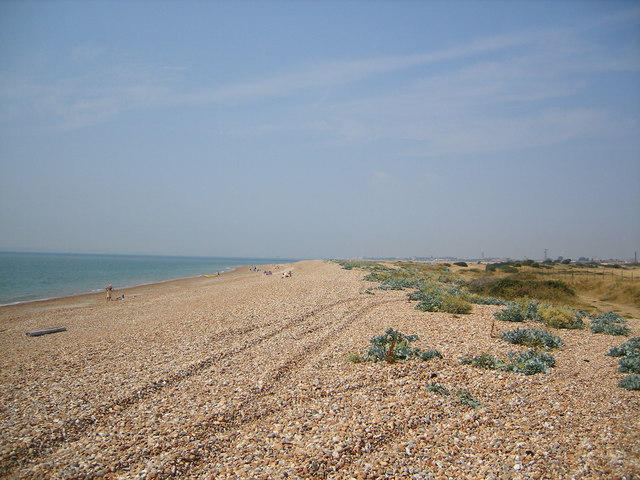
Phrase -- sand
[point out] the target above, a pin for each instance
(244, 376)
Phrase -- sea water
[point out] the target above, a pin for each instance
(26, 277)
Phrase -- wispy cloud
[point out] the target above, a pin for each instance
(462, 110)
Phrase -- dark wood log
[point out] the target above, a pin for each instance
(37, 333)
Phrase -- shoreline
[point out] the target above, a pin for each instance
(102, 291)
(96, 298)
(65, 275)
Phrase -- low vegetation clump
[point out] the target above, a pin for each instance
(532, 311)
(527, 363)
(513, 313)
(434, 292)
(630, 382)
(523, 310)
(521, 286)
(437, 388)
(609, 323)
(354, 357)
(531, 362)
(455, 304)
(464, 397)
(351, 264)
(561, 317)
(505, 267)
(395, 346)
(438, 299)
(428, 302)
(629, 353)
(629, 364)
(428, 354)
(480, 300)
(395, 279)
(485, 361)
(609, 317)
(532, 337)
(630, 348)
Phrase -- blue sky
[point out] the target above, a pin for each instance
(321, 129)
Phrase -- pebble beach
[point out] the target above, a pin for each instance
(245, 376)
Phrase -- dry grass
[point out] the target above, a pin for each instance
(619, 286)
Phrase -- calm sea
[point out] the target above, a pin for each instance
(27, 277)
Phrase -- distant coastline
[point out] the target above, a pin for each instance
(38, 276)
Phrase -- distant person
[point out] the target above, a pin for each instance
(109, 290)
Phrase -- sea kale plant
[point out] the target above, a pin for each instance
(630, 348)
(629, 354)
(630, 382)
(513, 313)
(527, 363)
(530, 362)
(395, 346)
(609, 323)
(532, 337)
(629, 364)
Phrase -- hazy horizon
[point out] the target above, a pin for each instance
(321, 129)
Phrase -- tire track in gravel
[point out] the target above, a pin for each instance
(71, 430)
(242, 416)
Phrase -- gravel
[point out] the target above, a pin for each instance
(244, 376)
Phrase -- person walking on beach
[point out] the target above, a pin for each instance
(109, 289)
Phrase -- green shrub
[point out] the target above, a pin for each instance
(628, 349)
(461, 264)
(531, 362)
(629, 364)
(454, 304)
(532, 337)
(521, 286)
(630, 382)
(513, 313)
(560, 317)
(395, 279)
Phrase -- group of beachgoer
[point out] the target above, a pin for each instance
(109, 291)
(269, 272)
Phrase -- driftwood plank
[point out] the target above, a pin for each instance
(37, 333)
